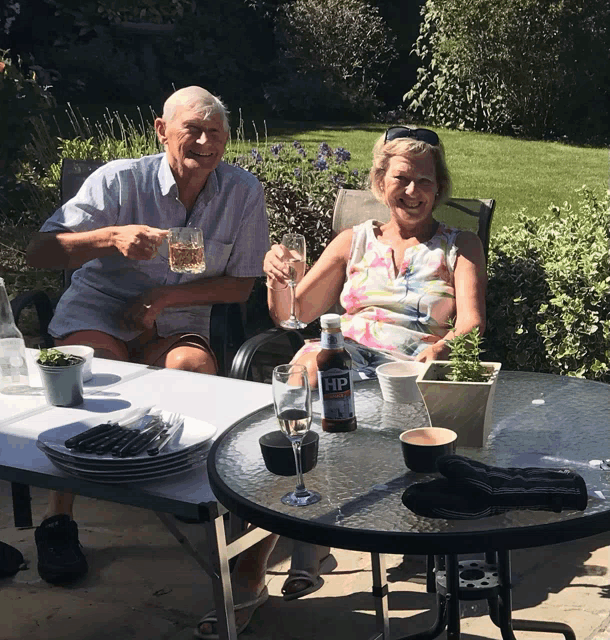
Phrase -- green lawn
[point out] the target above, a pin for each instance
(518, 174)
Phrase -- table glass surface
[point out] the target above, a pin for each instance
(538, 420)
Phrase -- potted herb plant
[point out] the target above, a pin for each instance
(458, 393)
(62, 377)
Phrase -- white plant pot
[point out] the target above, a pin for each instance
(464, 407)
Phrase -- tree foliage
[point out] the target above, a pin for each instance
(333, 54)
(526, 67)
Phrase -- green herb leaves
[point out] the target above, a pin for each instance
(464, 358)
(55, 358)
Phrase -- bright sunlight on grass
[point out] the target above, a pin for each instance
(518, 174)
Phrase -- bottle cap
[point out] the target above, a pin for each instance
(330, 321)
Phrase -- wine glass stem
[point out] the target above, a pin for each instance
(296, 448)
(292, 284)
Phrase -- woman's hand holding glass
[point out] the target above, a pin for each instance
(285, 266)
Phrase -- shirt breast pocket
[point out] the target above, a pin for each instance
(217, 256)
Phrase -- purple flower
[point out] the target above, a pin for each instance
(320, 164)
(338, 180)
(296, 144)
(342, 155)
(275, 149)
(325, 150)
(355, 173)
(256, 156)
(302, 152)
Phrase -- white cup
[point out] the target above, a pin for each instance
(83, 352)
(398, 381)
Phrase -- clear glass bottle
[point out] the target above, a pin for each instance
(13, 365)
(335, 378)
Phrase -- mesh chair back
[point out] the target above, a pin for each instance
(73, 174)
(355, 206)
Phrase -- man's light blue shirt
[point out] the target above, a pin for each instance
(230, 210)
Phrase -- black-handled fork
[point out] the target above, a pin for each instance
(174, 423)
(144, 438)
(121, 447)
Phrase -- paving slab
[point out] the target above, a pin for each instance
(142, 586)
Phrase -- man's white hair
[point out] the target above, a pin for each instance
(201, 100)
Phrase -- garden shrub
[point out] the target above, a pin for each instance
(300, 189)
(548, 297)
(24, 100)
(333, 54)
(536, 68)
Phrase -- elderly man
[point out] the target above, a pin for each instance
(123, 300)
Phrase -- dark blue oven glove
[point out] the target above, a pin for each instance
(471, 489)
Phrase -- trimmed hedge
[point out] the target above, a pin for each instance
(548, 297)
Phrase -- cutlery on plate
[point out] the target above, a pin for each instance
(139, 443)
(131, 416)
(74, 441)
(89, 445)
(174, 423)
(116, 443)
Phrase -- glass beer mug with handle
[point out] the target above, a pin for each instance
(292, 401)
(185, 247)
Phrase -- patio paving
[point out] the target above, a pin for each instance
(142, 586)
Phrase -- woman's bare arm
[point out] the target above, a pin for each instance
(470, 278)
(318, 289)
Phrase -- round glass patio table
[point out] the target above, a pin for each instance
(539, 420)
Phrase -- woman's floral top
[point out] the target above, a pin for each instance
(404, 311)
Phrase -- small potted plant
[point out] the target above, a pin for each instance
(458, 393)
(62, 377)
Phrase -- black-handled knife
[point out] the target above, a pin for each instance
(124, 441)
(74, 441)
(111, 441)
(88, 446)
(141, 442)
(128, 418)
(164, 438)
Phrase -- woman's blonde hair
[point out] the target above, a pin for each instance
(383, 152)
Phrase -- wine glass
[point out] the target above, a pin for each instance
(292, 401)
(295, 243)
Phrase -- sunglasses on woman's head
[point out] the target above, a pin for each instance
(423, 135)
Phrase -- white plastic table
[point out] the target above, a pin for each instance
(120, 385)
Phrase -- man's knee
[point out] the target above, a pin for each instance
(191, 359)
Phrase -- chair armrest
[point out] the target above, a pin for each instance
(243, 358)
(44, 310)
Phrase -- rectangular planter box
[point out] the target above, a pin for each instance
(464, 407)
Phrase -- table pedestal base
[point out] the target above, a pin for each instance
(490, 580)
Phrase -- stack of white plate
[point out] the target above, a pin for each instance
(187, 450)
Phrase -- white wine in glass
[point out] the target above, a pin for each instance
(292, 401)
(295, 243)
